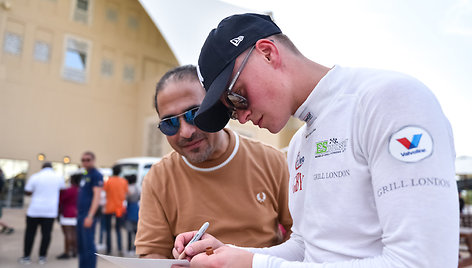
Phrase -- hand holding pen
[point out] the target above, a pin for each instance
(197, 237)
(182, 246)
(210, 252)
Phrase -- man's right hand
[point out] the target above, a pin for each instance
(88, 221)
(196, 247)
(223, 257)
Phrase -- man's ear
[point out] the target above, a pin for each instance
(269, 50)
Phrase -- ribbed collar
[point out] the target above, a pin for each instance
(221, 161)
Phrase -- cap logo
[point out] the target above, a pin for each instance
(237, 40)
(200, 77)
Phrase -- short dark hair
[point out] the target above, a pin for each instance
(47, 165)
(180, 73)
(91, 154)
(131, 178)
(116, 170)
(75, 179)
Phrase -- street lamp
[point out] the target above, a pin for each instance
(65, 160)
(41, 157)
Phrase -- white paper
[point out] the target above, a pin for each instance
(143, 263)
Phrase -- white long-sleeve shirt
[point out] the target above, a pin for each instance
(372, 180)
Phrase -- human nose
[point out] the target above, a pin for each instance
(243, 115)
(186, 130)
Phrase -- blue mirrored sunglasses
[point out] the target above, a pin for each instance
(171, 125)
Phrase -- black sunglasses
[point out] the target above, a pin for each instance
(170, 126)
(236, 101)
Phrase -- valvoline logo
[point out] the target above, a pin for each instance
(419, 147)
(410, 144)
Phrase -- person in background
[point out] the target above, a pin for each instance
(237, 184)
(68, 217)
(132, 212)
(6, 229)
(372, 175)
(44, 188)
(87, 205)
(461, 203)
(100, 216)
(116, 189)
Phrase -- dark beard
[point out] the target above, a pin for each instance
(197, 155)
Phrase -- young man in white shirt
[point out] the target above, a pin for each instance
(372, 180)
(44, 188)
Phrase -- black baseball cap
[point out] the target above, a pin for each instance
(234, 35)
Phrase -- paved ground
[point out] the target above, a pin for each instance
(11, 246)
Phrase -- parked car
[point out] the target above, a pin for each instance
(138, 166)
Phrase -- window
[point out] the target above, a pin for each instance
(42, 51)
(82, 5)
(15, 177)
(128, 169)
(107, 67)
(112, 14)
(13, 43)
(133, 22)
(75, 60)
(146, 169)
(81, 11)
(128, 73)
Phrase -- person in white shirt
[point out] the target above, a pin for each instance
(44, 188)
(372, 181)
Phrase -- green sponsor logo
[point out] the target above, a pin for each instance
(321, 147)
(331, 146)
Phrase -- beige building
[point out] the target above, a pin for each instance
(79, 75)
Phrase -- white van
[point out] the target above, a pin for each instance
(138, 166)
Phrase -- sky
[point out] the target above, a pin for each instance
(430, 40)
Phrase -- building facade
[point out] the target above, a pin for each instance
(78, 75)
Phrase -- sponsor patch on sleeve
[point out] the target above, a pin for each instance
(411, 144)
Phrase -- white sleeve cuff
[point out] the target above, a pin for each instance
(260, 260)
